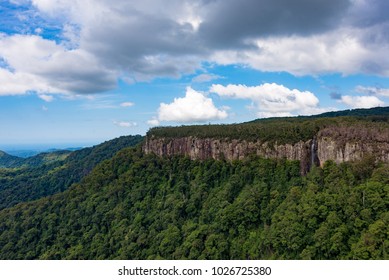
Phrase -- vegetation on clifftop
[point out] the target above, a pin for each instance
(280, 130)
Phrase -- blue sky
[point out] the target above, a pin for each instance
(85, 71)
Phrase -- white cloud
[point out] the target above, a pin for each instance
(106, 40)
(272, 100)
(38, 30)
(361, 101)
(177, 38)
(127, 104)
(194, 107)
(153, 122)
(45, 97)
(44, 66)
(125, 124)
(343, 50)
(19, 83)
(373, 90)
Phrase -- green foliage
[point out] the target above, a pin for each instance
(49, 173)
(281, 130)
(114, 202)
(8, 161)
(137, 206)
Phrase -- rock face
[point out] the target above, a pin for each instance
(342, 144)
(336, 143)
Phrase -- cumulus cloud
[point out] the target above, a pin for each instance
(44, 66)
(194, 107)
(362, 101)
(234, 23)
(153, 122)
(373, 91)
(99, 42)
(342, 50)
(272, 100)
(19, 83)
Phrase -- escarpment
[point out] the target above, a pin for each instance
(353, 143)
(228, 149)
(339, 141)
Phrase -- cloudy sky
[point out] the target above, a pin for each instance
(85, 71)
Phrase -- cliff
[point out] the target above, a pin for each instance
(352, 143)
(339, 142)
(235, 149)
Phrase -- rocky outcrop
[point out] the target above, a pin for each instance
(342, 144)
(335, 143)
(201, 149)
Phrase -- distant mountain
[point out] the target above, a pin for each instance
(7, 160)
(49, 173)
(26, 153)
(381, 112)
(377, 111)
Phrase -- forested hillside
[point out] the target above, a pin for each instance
(49, 173)
(9, 161)
(112, 201)
(137, 206)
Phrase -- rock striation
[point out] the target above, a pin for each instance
(339, 144)
(342, 144)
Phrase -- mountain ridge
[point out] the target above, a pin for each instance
(115, 201)
(10, 161)
(338, 136)
(138, 206)
(44, 177)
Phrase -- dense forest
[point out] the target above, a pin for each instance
(113, 201)
(48, 173)
(137, 206)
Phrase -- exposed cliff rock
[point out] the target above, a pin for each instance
(201, 149)
(352, 143)
(332, 143)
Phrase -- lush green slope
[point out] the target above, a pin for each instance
(282, 130)
(8, 161)
(49, 173)
(144, 207)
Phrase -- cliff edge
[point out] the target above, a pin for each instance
(312, 141)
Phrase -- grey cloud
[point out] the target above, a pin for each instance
(82, 83)
(230, 23)
(336, 95)
(141, 40)
(372, 17)
(143, 43)
(369, 12)
(147, 43)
